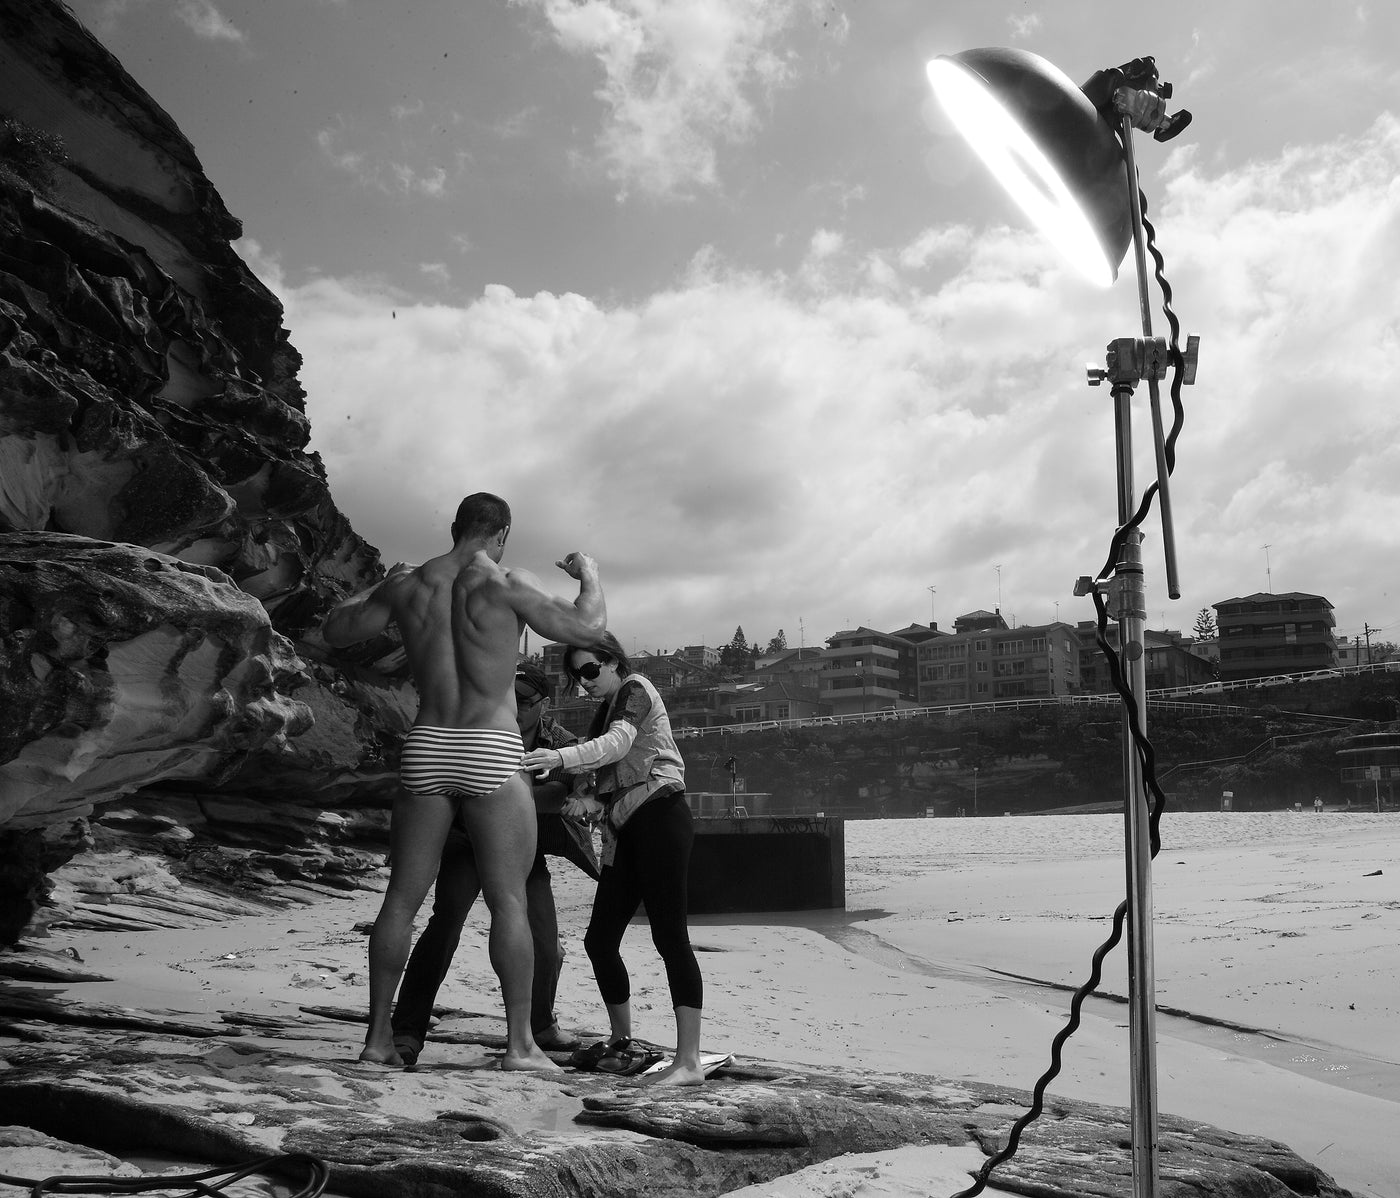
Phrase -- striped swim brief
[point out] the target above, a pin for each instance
(458, 761)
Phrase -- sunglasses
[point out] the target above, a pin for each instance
(589, 670)
(528, 699)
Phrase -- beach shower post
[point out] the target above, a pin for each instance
(1065, 155)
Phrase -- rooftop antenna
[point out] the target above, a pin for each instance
(1268, 572)
(932, 593)
(998, 570)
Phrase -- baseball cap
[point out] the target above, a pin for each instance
(533, 677)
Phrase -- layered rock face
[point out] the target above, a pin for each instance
(125, 666)
(168, 546)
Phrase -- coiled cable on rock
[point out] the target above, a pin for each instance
(200, 1185)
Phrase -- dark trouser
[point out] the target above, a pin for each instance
(457, 887)
(652, 866)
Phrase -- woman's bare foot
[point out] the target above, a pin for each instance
(535, 1060)
(675, 1074)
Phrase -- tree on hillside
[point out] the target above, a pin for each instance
(779, 643)
(1205, 624)
(735, 655)
(1380, 650)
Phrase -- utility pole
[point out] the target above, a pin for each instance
(1370, 630)
(932, 592)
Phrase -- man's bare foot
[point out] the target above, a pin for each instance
(534, 1060)
(553, 1039)
(379, 1055)
(675, 1074)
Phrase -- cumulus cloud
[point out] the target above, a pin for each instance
(380, 173)
(679, 80)
(1026, 26)
(207, 21)
(747, 447)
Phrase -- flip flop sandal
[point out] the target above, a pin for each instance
(629, 1062)
(589, 1058)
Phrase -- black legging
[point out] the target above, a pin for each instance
(652, 866)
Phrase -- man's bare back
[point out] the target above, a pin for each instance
(461, 615)
(460, 634)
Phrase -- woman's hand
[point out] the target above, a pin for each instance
(583, 807)
(542, 760)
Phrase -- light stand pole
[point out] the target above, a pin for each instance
(1128, 361)
(1132, 617)
(1054, 148)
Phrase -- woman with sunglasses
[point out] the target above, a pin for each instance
(647, 836)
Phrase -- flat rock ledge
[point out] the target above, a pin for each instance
(227, 1088)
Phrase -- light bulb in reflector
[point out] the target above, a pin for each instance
(1022, 167)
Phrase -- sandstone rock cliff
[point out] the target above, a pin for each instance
(168, 545)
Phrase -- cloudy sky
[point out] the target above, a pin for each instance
(709, 289)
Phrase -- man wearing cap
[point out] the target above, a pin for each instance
(458, 884)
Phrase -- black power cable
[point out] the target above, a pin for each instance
(199, 1184)
(1141, 744)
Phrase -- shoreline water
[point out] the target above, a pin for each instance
(1280, 922)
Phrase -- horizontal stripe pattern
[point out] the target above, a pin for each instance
(458, 761)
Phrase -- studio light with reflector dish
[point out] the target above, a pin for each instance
(1065, 156)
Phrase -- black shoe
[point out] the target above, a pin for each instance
(408, 1050)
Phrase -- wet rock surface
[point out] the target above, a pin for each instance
(231, 1087)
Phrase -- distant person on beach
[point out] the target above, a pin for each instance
(639, 784)
(458, 884)
(461, 616)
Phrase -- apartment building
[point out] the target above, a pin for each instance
(1172, 660)
(985, 661)
(868, 671)
(1264, 634)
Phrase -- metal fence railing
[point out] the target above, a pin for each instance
(1185, 699)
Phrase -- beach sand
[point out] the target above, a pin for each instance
(1292, 932)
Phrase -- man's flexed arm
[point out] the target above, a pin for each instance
(364, 615)
(578, 623)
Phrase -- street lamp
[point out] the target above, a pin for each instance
(1065, 155)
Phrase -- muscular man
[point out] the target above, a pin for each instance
(461, 616)
(458, 885)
